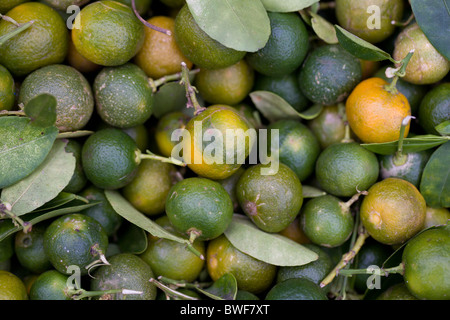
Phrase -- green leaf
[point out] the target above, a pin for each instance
(41, 110)
(274, 108)
(22, 148)
(128, 212)
(360, 48)
(312, 192)
(268, 247)
(287, 5)
(414, 144)
(170, 97)
(61, 199)
(323, 29)
(9, 228)
(435, 183)
(44, 183)
(74, 134)
(242, 25)
(443, 128)
(433, 18)
(224, 288)
(132, 239)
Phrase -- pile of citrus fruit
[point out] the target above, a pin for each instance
(224, 150)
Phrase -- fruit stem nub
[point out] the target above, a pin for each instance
(400, 158)
(190, 90)
(392, 87)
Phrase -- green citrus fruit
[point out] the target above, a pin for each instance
(427, 264)
(29, 249)
(393, 211)
(7, 89)
(74, 239)
(252, 275)
(427, 65)
(344, 168)
(110, 158)
(7, 5)
(160, 54)
(328, 74)
(125, 271)
(436, 216)
(295, 232)
(50, 285)
(78, 180)
(12, 287)
(148, 190)
(142, 6)
(271, 201)
(245, 295)
(397, 292)
(62, 5)
(165, 129)
(76, 60)
(230, 184)
(298, 146)
(108, 33)
(228, 85)
(73, 93)
(328, 126)
(103, 212)
(435, 108)
(296, 289)
(172, 259)
(123, 96)
(286, 47)
(199, 207)
(198, 47)
(285, 86)
(368, 19)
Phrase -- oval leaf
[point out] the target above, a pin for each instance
(435, 183)
(22, 148)
(170, 97)
(414, 144)
(312, 192)
(44, 183)
(132, 239)
(323, 29)
(224, 288)
(360, 48)
(443, 128)
(61, 199)
(242, 25)
(433, 18)
(74, 134)
(274, 108)
(287, 5)
(41, 110)
(131, 214)
(268, 247)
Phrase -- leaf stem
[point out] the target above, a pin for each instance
(392, 87)
(399, 157)
(171, 292)
(151, 26)
(152, 156)
(5, 210)
(19, 29)
(12, 113)
(171, 77)
(400, 269)
(190, 90)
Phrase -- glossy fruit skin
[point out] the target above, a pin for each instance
(50, 285)
(427, 65)
(173, 259)
(228, 85)
(29, 249)
(286, 86)
(102, 212)
(148, 190)
(251, 274)
(78, 180)
(315, 271)
(393, 211)
(46, 42)
(194, 43)
(427, 264)
(409, 170)
(298, 146)
(344, 168)
(216, 119)
(435, 108)
(11, 287)
(354, 16)
(286, 47)
(7, 89)
(165, 128)
(329, 74)
(328, 126)
(110, 158)
(73, 93)
(74, 239)
(374, 114)
(296, 289)
(326, 222)
(160, 55)
(126, 271)
(108, 37)
(116, 108)
(271, 201)
(201, 205)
